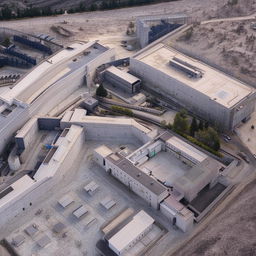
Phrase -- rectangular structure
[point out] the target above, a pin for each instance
(65, 201)
(80, 211)
(209, 93)
(122, 79)
(131, 233)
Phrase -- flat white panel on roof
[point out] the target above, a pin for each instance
(110, 204)
(91, 187)
(43, 241)
(131, 231)
(186, 148)
(66, 201)
(107, 203)
(78, 213)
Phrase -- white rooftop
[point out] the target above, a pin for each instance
(46, 73)
(219, 87)
(131, 231)
(187, 149)
(19, 187)
(65, 201)
(124, 75)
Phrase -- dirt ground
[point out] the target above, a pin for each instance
(111, 25)
(230, 44)
(232, 233)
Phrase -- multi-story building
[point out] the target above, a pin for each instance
(208, 93)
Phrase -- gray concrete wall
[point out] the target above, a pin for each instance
(186, 96)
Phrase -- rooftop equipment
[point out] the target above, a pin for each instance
(185, 67)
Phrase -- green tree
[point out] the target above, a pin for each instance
(201, 125)
(193, 127)
(6, 13)
(180, 123)
(101, 91)
(209, 137)
(6, 42)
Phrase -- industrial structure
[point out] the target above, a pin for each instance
(51, 81)
(205, 91)
(150, 28)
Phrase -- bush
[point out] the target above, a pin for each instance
(123, 111)
(209, 137)
(188, 34)
(201, 145)
(198, 143)
(101, 91)
(180, 123)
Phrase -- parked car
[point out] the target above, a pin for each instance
(225, 136)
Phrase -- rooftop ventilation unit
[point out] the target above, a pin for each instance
(185, 67)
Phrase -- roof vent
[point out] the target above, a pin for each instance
(186, 68)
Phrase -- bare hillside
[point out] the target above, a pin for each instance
(229, 44)
(232, 233)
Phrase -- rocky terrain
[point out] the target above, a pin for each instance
(232, 233)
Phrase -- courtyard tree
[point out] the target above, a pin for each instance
(101, 91)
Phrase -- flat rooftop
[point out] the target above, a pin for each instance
(53, 69)
(219, 87)
(123, 75)
(187, 148)
(131, 231)
(147, 181)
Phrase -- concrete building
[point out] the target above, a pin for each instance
(19, 194)
(122, 80)
(132, 232)
(50, 83)
(177, 213)
(137, 181)
(150, 28)
(164, 167)
(205, 91)
(177, 164)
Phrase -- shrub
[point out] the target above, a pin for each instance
(121, 110)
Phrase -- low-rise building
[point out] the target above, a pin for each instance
(131, 233)
(122, 80)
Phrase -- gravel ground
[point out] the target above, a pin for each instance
(231, 233)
